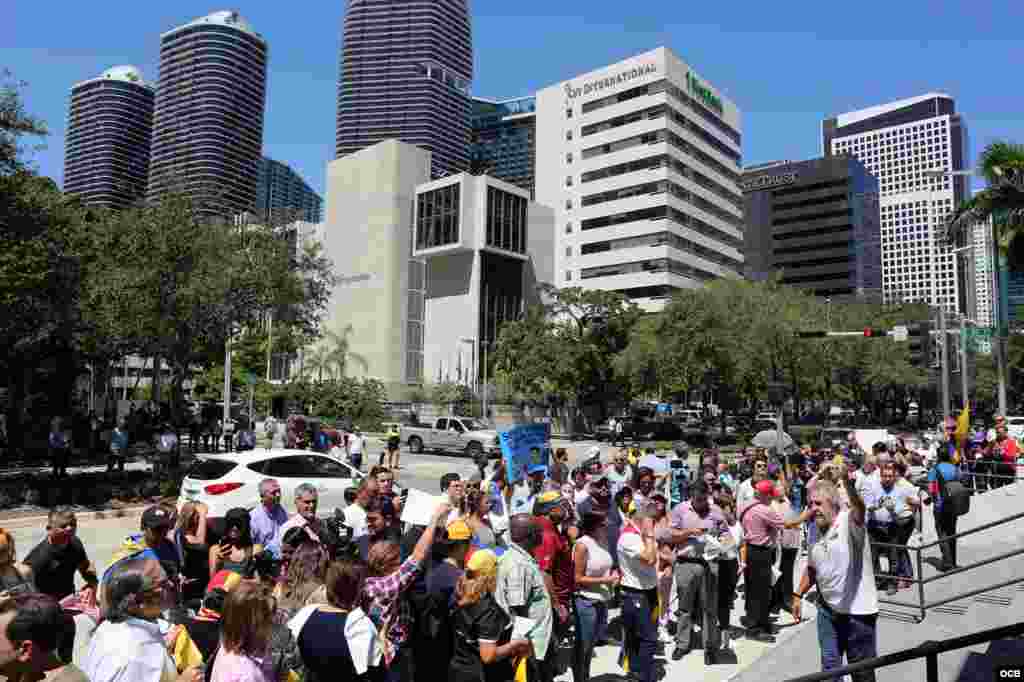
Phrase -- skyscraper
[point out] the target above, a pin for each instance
(282, 192)
(208, 124)
(406, 67)
(901, 143)
(641, 162)
(110, 127)
(504, 139)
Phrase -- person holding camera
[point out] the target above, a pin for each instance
(236, 550)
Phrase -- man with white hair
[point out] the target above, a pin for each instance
(841, 566)
(620, 474)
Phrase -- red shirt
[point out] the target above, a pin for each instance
(1009, 449)
(554, 557)
(761, 525)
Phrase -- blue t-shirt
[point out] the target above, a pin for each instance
(949, 473)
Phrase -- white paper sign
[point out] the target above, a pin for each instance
(419, 508)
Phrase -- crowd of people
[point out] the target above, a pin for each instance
(507, 581)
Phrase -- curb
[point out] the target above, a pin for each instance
(20, 521)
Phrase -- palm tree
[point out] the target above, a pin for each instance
(318, 361)
(1002, 166)
(332, 354)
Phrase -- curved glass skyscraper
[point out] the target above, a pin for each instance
(208, 124)
(406, 67)
(110, 124)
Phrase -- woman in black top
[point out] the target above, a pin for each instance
(190, 537)
(483, 651)
(236, 549)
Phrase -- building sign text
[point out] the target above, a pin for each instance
(768, 181)
(703, 93)
(611, 81)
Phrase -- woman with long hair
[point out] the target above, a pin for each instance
(478, 518)
(246, 626)
(15, 577)
(594, 578)
(666, 556)
(484, 650)
(789, 548)
(190, 538)
(236, 550)
(304, 580)
(728, 563)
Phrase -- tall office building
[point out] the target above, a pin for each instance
(984, 275)
(406, 67)
(282, 193)
(814, 223)
(110, 127)
(504, 139)
(208, 124)
(900, 143)
(641, 161)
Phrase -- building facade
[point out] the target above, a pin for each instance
(406, 69)
(815, 223)
(641, 162)
(902, 144)
(504, 140)
(110, 129)
(486, 247)
(208, 123)
(281, 192)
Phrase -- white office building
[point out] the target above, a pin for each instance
(641, 162)
(984, 274)
(901, 143)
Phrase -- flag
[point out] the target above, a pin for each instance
(963, 426)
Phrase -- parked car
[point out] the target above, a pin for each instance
(453, 434)
(833, 436)
(228, 480)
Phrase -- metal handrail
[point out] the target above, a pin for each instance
(928, 650)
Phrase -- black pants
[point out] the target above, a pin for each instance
(945, 527)
(728, 576)
(758, 588)
(782, 592)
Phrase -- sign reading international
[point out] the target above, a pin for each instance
(625, 76)
(768, 181)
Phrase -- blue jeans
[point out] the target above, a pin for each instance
(856, 637)
(640, 632)
(591, 623)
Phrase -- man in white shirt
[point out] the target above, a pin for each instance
(840, 565)
(867, 476)
(620, 474)
(638, 558)
(355, 448)
(355, 513)
(891, 504)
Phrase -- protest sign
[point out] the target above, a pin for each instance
(419, 508)
(523, 447)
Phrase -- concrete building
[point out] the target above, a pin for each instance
(816, 223)
(280, 191)
(984, 275)
(406, 69)
(900, 143)
(486, 247)
(504, 139)
(641, 162)
(110, 128)
(430, 269)
(208, 123)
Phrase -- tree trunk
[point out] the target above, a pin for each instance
(158, 376)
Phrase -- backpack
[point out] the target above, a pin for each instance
(954, 493)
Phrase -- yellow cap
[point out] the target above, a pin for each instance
(483, 562)
(459, 531)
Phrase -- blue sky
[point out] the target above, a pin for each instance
(786, 64)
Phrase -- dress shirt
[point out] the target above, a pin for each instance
(130, 651)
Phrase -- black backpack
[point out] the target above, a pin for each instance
(954, 493)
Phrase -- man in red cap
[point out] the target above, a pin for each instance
(761, 526)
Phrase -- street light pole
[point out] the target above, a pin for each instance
(944, 364)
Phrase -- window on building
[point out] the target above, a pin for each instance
(437, 217)
(568, 157)
(568, 275)
(568, 112)
(568, 181)
(568, 252)
(568, 134)
(568, 228)
(568, 204)
(506, 220)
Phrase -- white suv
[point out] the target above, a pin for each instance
(228, 480)
(1015, 427)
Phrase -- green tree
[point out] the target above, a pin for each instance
(1002, 166)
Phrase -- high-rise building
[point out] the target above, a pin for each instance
(406, 69)
(504, 135)
(208, 124)
(984, 275)
(814, 223)
(282, 193)
(901, 143)
(110, 127)
(641, 162)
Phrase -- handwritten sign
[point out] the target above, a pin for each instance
(419, 508)
(524, 447)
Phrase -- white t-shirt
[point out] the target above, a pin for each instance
(636, 574)
(355, 445)
(866, 483)
(355, 518)
(744, 495)
(842, 563)
(900, 493)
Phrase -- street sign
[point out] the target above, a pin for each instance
(899, 333)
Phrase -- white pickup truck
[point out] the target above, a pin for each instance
(452, 434)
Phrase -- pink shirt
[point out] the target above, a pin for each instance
(233, 667)
(761, 525)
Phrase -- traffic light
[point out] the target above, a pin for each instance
(920, 337)
(874, 333)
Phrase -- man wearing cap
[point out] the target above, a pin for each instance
(553, 554)
(696, 579)
(440, 580)
(761, 527)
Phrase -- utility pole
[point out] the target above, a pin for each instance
(227, 383)
(963, 359)
(944, 362)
